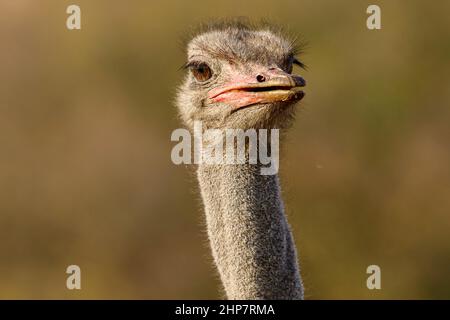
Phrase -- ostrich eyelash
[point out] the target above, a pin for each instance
(190, 64)
(299, 63)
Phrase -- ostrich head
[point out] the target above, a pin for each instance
(240, 77)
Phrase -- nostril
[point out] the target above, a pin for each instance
(302, 82)
(260, 78)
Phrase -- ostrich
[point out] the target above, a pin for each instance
(240, 76)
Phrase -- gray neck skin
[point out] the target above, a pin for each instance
(250, 238)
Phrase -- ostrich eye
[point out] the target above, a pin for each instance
(201, 71)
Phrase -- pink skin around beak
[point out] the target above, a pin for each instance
(273, 85)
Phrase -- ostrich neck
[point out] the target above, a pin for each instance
(250, 237)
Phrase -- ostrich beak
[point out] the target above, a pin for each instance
(272, 86)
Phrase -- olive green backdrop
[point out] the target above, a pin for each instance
(85, 170)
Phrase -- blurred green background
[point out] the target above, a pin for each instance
(85, 170)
